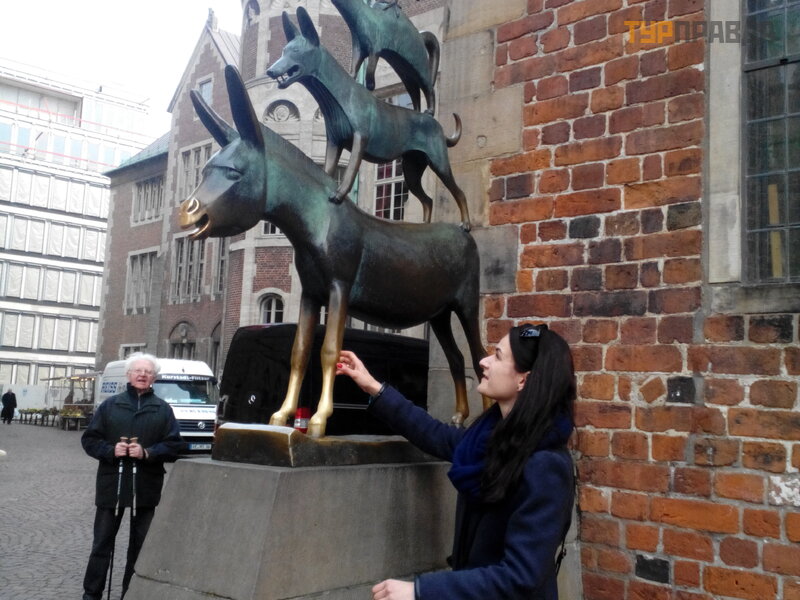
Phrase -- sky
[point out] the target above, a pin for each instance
(141, 46)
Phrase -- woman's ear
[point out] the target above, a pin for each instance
(521, 379)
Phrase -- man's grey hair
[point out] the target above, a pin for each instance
(137, 356)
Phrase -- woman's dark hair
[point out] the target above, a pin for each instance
(549, 392)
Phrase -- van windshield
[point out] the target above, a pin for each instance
(187, 392)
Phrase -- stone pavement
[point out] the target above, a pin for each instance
(46, 515)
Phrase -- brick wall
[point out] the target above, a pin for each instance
(689, 429)
(273, 269)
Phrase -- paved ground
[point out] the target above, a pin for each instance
(46, 514)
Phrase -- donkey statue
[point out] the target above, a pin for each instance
(384, 31)
(370, 128)
(387, 273)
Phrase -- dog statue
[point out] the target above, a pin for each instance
(384, 272)
(370, 128)
(384, 31)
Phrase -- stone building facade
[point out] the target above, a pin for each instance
(629, 170)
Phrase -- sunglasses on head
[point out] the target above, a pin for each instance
(532, 332)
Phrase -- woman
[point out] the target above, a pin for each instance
(511, 468)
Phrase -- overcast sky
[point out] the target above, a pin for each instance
(142, 46)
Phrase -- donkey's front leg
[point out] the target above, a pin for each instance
(301, 350)
(331, 348)
(349, 176)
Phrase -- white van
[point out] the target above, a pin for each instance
(188, 386)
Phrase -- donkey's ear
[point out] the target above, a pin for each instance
(289, 30)
(243, 114)
(223, 133)
(307, 26)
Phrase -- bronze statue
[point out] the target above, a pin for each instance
(384, 31)
(388, 273)
(370, 128)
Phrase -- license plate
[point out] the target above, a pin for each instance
(196, 446)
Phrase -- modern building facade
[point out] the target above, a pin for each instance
(631, 177)
(56, 139)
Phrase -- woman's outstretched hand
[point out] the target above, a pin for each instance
(349, 364)
(392, 589)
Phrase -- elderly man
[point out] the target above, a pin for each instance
(134, 428)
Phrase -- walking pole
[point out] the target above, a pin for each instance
(133, 480)
(116, 514)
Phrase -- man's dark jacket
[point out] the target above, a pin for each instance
(504, 550)
(129, 415)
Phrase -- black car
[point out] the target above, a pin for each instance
(256, 376)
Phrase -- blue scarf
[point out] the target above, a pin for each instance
(469, 457)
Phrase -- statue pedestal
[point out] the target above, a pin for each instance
(241, 531)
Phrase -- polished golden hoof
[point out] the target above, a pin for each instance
(278, 419)
(457, 419)
(316, 429)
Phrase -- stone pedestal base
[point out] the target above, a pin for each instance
(244, 532)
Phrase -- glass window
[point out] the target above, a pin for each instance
(272, 309)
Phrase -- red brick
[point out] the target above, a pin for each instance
(792, 360)
(569, 329)
(688, 544)
(528, 233)
(605, 251)
(672, 137)
(555, 39)
(638, 331)
(735, 360)
(530, 139)
(557, 133)
(587, 176)
(764, 456)
(771, 329)
(737, 552)
(552, 230)
(773, 394)
(587, 358)
(630, 445)
(634, 507)
(653, 390)
(668, 448)
(772, 424)
(552, 87)
(577, 11)
(692, 481)
(589, 127)
(520, 48)
(686, 573)
(664, 418)
(793, 527)
(651, 167)
(493, 306)
(686, 108)
(653, 63)
(613, 560)
(521, 163)
(496, 329)
(796, 456)
(622, 224)
(695, 514)
(593, 53)
(602, 587)
(621, 277)
(549, 280)
(791, 590)
(555, 109)
(521, 211)
(623, 170)
(686, 54)
(625, 119)
(606, 99)
(593, 500)
(675, 329)
(587, 202)
(728, 392)
(588, 151)
(761, 523)
(739, 584)
(686, 242)
(609, 304)
(593, 443)
(519, 28)
(599, 331)
(722, 328)
(740, 486)
(716, 451)
(590, 30)
(782, 558)
(599, 530)
(539, 305)
(552, 255)
(501, 55)
(625, 475)
(650, 275)
(597, 386)
(621, 68)
(683, 270)
(669, 85)
(616, 21)
(646, 359)
(524, 281)
(641, 537)
(641, 590)
(675, 300)
(707, 419)
(604, 415)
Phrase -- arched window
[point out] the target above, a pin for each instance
(272, 309)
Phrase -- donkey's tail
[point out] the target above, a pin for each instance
(453, 139)
(432, 46)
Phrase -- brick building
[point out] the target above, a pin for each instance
(629, 171)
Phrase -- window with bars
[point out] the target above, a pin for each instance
(138, 284)
(221, 271)
(148, 200)
(192, 163)
(184, 350)
(771, 83)
(188, 269)
(391, 193)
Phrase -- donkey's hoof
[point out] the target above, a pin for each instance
(316, 430)
(335, 198)
(278, 419)
(466, 225)
(457, 419)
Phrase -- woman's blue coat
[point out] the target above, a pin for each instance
(503, 551)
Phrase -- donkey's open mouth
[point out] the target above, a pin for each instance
(191, 214)
(287, 78)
